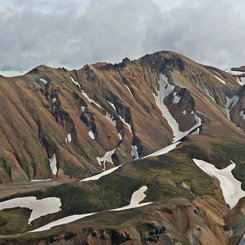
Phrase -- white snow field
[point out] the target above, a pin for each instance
(112, 105)
(134, 152)
(75, 83)
(91, 134)
(62, 221)
(39, 208)
(43, 81)
(129, 90)
(176, 98)
(40, 180)
(220, 79)
(90, 100)
(137, 197)
(127, 124)
(84, 94)
(68, 138)
(230, 103)
(235, 73)
(106, 158)
(241, 80)
(163, 150)
(110, 119)
(230, 186)
(104, 173)
(53, 164)
(163, 92)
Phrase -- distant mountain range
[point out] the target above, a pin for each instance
(162, 136)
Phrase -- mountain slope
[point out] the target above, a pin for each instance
(68, 125)
(81, 115)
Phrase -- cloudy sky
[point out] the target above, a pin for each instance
(75, 32)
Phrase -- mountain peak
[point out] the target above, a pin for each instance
(138, 134)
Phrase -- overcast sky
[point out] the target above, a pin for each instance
(71, 33)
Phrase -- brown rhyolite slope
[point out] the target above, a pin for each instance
(36, 116)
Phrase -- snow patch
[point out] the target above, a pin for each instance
(62, 221)
(176, 98)
(39, 208)
(229, 185)
(241, 80)
(134, 152)
(112, 105)
(68, 138)
(127, 124)
(129, 90)
(230, 104)
(90, 100)
(98, 176)
(106, 158)
(208, 92)
(40, 180)
(75, 83)
(242, 114)
(84, 94)
(54, 100)
(235, 73)
(164, 150)
(91, 134)
(110, 119)
(53, 164)
(43, 81)
(137, 197)
(184, 185)
(83, 108)
(119, 136)
(163, 92)
(184, 112)
(220, 79)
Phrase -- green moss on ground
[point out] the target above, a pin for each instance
(5, 166)
(13, 220)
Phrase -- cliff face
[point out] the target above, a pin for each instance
(68, 125)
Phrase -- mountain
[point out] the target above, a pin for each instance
(62, 126)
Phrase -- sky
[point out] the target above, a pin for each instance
(62, 33)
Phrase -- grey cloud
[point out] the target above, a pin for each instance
(73, 33)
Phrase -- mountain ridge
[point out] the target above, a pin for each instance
(99, 73)
(68, 125)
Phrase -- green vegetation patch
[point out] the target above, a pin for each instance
(14, 221)
(70, 169)
(5, 166)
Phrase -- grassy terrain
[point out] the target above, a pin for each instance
(164, 177)
(5, 166)
(14, 219)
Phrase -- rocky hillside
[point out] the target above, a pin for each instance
(64, 124)
(69, 125)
